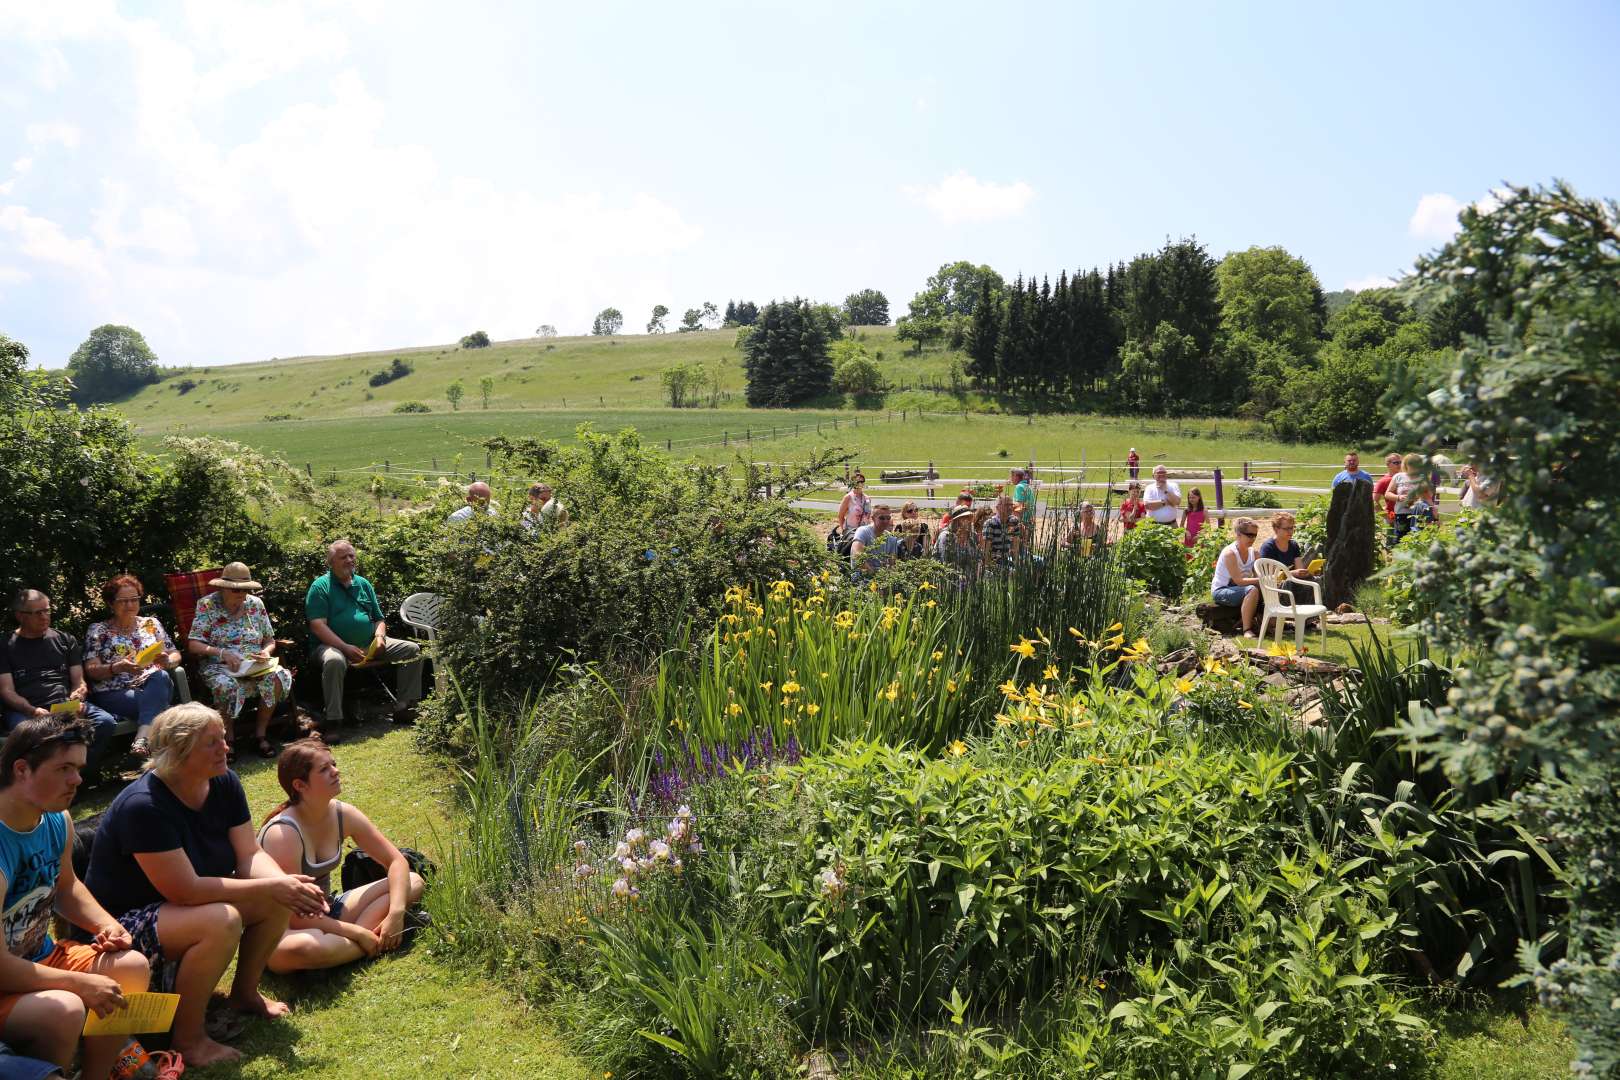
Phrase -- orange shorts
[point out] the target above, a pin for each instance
(68, 956)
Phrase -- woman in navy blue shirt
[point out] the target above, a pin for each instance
(176, 861)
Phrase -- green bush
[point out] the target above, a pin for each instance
(412, 407)
(1212, 540)
(1156, 556)
(1310, 522)
(396, 370)
(651, 544)
(1256, 498)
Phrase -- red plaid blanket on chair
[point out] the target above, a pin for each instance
(185, 590)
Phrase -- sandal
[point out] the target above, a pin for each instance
(267, 749)
(138, 748)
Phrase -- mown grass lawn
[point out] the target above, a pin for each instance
(409, 1015)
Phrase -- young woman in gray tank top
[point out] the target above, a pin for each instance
(305, 835)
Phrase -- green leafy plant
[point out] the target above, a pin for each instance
(1155, 555)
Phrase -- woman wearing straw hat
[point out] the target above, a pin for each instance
(232, 626)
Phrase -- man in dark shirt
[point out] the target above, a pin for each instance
(1003, 537)
(42, 671)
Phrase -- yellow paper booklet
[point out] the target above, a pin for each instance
(149, 654)
(1316, 566)
(142, 1014)
(70, 706)
(371, 652)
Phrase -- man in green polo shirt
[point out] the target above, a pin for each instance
(345, 622)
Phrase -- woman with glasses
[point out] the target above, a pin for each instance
(915, 537)
(1282, 547)
(128, 658)
(1235, 584)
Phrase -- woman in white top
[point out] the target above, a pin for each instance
(1477, 491)
(856, 509)
(305, 835)
(1235, 584)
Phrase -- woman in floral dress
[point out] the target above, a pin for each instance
(232, 625)
(119, 681)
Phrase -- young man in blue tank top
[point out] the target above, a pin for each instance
(47, 987)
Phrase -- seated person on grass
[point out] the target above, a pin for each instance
(47, 987)
(42, 671)
(345, 621)
(176, 860)
(305, 835)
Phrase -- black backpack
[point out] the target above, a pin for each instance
(361, 869)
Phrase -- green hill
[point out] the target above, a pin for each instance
(559, 373)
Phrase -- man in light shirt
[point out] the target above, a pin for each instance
(1163, 497)
(478, 495)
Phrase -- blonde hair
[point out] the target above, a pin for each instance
(175, 734)
(1283, 518)
(1243, 523)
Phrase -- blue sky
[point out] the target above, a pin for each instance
(241, 180)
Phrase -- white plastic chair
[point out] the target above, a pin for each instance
(420, 611)
(1280, 604)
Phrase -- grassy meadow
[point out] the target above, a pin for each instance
(320, 412)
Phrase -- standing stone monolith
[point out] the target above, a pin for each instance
(1352, 538)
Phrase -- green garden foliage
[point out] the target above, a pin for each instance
(1255, 498)
(1201, 559)
(651, 544)
(1537, 599)
(412, 407)
(1154, 555)
(785, 356)
(112, 362)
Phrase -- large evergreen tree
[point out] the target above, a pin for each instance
(785, 359)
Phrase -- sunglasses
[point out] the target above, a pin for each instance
(1250, 535)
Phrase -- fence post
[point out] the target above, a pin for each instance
(667, 446)
(487, 463)
(385, 464)
(309, 470)
(725, 438)
(435, 464)
(1245, 472)
(748, 434)
(1220, 494)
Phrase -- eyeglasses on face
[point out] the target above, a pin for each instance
(126, 599)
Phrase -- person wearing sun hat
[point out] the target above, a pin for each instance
(230, 628)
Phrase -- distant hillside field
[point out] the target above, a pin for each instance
(559, 373)
(320, 413)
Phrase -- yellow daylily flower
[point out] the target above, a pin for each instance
(1116, 626)
(1244, 705)
(1184, 686)
(1010, 689)
(1214, 666)
(957, 748)
(1024, 648)
(1051, 672)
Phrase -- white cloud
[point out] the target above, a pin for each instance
(963, 198)
(11, 275)
(60, 134)
(45, 241)
(1436, 215)
(315, 232)
(1373, 281)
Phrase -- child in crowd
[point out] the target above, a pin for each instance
(1193, 519)
(1414, 496)
(1133, 508)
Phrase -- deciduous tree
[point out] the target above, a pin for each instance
(609, 321)
(113, 361)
